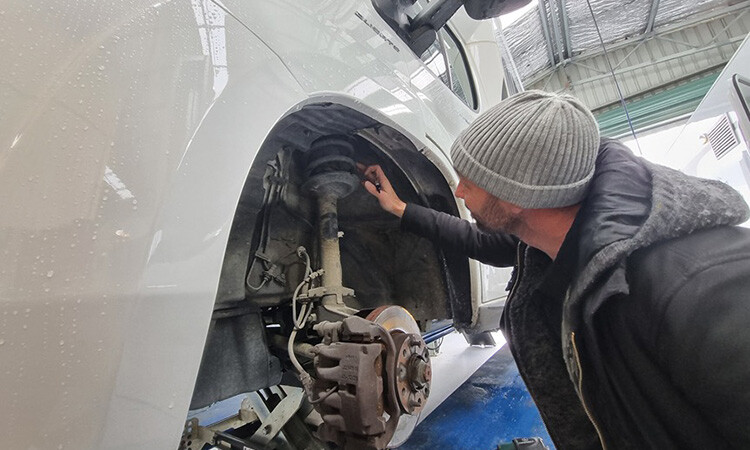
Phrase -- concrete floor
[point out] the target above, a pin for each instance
(491, 407)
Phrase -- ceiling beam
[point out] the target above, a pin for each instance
(652, 16)
(557, 39)
(568, 50)
(708, 16)
(546, 32)
(732, 41)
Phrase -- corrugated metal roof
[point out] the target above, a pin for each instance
(556, 30)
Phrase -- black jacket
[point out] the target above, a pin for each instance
(638, 335)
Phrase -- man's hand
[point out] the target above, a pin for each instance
(378, 185)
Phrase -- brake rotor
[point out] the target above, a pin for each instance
(413, 371)
(392, 317)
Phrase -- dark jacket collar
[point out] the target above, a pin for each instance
(616, 205)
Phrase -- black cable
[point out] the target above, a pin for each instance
(617, 85)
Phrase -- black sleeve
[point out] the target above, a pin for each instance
(456, 234)
(705, 342)
(699, 289)
(676, 350)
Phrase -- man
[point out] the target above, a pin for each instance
(629, 315)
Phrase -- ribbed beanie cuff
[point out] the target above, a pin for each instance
(534, 149)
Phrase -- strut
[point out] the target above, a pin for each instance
(331, 174)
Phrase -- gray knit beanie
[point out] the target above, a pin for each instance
(534, 149)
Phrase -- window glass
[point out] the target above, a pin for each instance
(459, 70)
(434, 58)
(445, 58)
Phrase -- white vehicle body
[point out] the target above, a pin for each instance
(127, 130)
(715, 141)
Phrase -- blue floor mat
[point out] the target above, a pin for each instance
(491, 407)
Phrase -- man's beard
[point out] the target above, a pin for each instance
(495, 218)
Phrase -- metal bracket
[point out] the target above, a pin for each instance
(280, 415)
(275, 272)
(337, 308)
(195, 436)
(339, 291)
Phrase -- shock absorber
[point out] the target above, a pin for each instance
(370, 374)
(331, 174)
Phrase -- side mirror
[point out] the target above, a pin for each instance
(486, 9)
(420, 31)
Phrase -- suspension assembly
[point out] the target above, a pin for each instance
(369, 372)
(331, 174)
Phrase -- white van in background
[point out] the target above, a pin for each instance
(715, 142)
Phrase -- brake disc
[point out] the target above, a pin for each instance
(392, 317)
(413, 371)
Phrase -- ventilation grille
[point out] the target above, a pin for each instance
(722, 137)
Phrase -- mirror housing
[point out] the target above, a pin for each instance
(487, 9)
(420, 31)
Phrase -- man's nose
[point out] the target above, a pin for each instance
(460, 190)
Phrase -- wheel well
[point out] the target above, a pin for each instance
(274, 217)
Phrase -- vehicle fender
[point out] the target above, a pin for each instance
(172, 311)
(128, 129)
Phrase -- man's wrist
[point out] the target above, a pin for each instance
(398, 209)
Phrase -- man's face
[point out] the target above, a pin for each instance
(491, 213)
